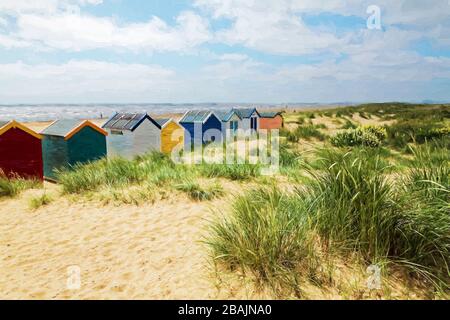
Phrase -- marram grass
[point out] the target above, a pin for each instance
(355, 205)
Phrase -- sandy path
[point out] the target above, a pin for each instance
(126, 252)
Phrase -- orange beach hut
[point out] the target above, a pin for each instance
(271, 120)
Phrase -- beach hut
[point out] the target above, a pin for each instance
(249, 118)
(271, 120)
(231, 121)
(68, 142)
(171, 135)
(132, 134)
(200, 127)
(20, 151)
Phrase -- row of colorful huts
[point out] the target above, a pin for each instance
(64, 143)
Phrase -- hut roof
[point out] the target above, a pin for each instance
(6, 125)
(127, 121)
(162, 122)
(68, 128)
(225, 115)
(196, 116)
(270, 114)
(245, 113)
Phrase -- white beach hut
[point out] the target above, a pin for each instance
(132, 134)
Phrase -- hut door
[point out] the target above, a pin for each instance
(254, 123)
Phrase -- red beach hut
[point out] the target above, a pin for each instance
(20, 151)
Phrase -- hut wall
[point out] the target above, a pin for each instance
(147, 137)
(271, 123)
(21, 154)
(86, 145)
(213, 123)
(226, 125)
(120, 144)
(188, 135)
(55, 154)
(169, 135)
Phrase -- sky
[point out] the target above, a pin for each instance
(249, 51)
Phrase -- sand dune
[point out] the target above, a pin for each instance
(126, 252)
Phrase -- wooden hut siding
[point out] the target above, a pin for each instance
(189, 138)
(196, 124)
(131, 135)
(55, 155)
(146, 138)
(169, 134)
(69, 142)
(120, 144)
(248, 117)
(21, 154)
(271, 123)
(226, 124)
(86, 144)
(213, 123)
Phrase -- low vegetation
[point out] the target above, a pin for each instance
(11, 187)
(40, 201)
(380, 195)
(199, 193)
(306, 132)
(373, 194)
(365, 136)
(350, 206)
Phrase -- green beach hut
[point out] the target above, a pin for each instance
(68, 142)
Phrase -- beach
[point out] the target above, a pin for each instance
(153, 251)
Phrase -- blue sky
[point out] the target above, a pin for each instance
(79, 51)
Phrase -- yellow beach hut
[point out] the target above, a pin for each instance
(172, 135)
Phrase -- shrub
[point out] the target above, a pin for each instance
(378, 131)
(419, 131)
(349, 125)
(369, 136)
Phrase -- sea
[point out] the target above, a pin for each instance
(46, 112)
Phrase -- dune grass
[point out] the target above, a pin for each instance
(264, 235)
(40, 201)
(306, 132)
(230, 171)
(153, 168)
(199, 193)
(11, 187)
(352, 205)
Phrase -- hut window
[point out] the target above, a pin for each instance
(233, 125)
(117, 132)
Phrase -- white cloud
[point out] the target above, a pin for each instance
(78, 80)
(225, 81)
(269, 26)
(277, 27)
(60, 24)
(75, 32)
(42, 6)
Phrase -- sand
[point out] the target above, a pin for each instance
(123, 252)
